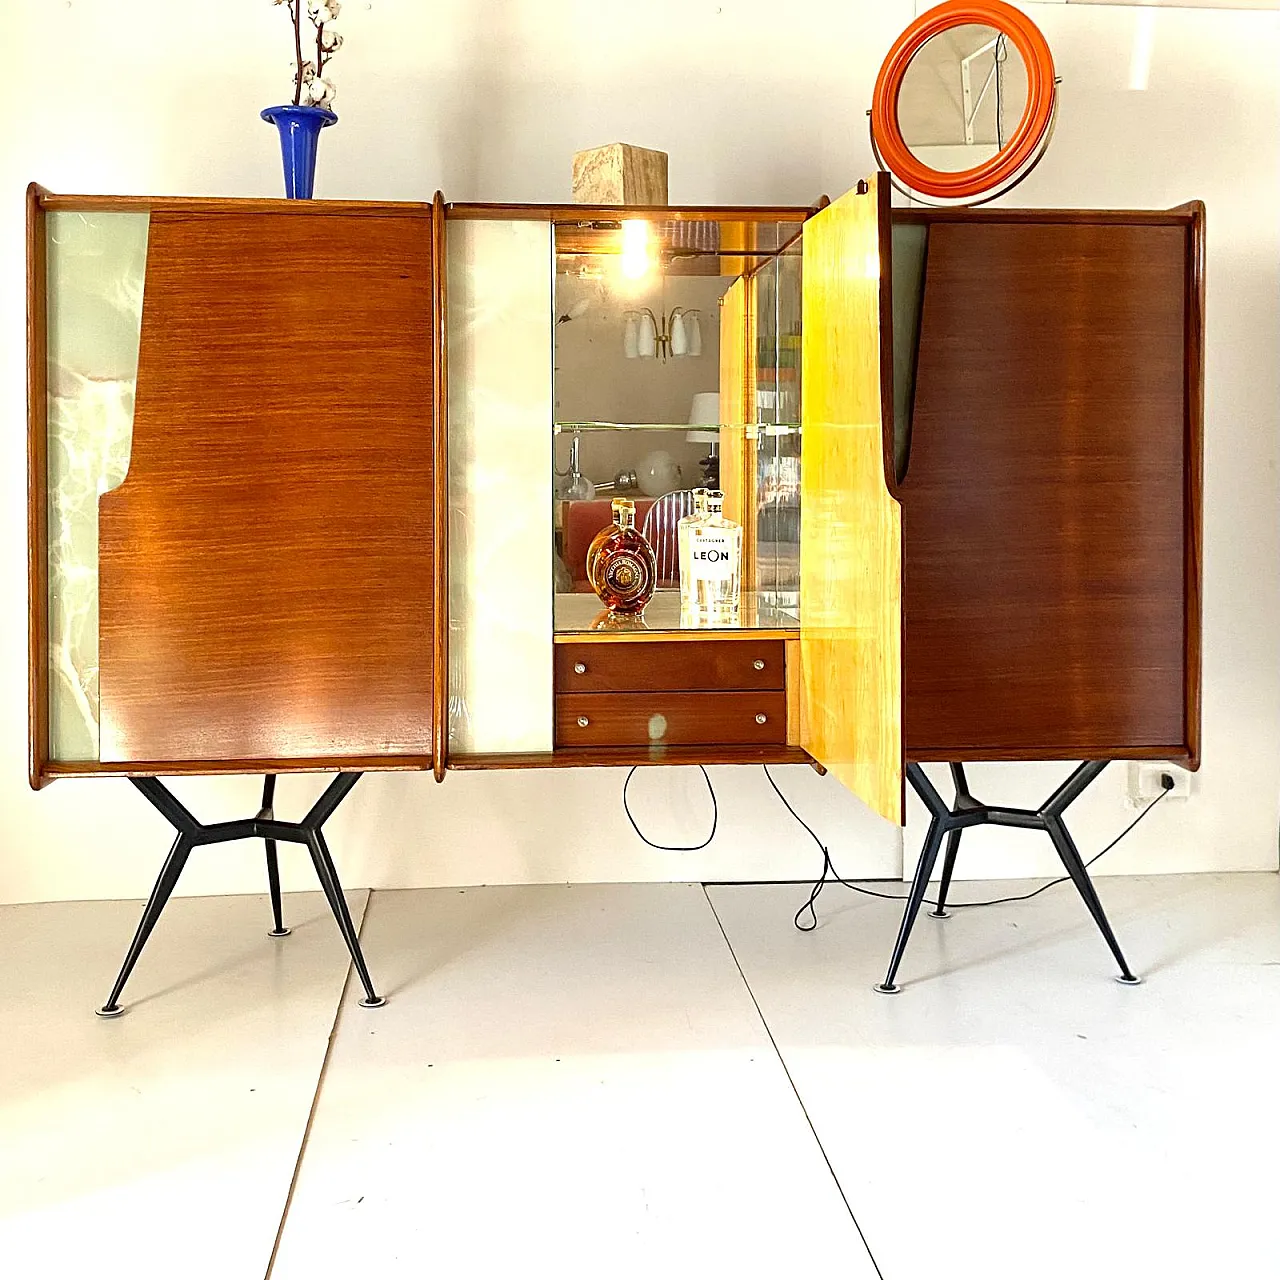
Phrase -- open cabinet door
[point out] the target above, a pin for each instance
(851, 531)
(737, 470)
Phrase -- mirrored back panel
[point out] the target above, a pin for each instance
(677, 345)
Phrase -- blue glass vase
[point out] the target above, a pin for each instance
(299, 135)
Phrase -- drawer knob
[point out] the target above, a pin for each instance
(583, 722)
(761, 718)
(758, 664)
(579, 668)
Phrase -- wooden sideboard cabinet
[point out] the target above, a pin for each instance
(309, 482)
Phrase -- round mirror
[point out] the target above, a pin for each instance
(964, 101)
(962, 97)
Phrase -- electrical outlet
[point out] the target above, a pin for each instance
(1145, 782)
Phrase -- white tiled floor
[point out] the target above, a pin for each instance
(1016, 1113)
(163, 1142)
(576, 1082)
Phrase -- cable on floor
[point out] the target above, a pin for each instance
(830, 874)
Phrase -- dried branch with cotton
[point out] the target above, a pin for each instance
(311, 85)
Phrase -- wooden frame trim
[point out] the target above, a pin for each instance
(618, 212)
(613, 757)
(1194, 478)
(1093, 217)
(667, 637)
(977, 754)
(37, 492)
(440, 513)
(218, 768)
(219, 204)
(885, 211)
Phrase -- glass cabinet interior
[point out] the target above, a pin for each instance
(676, 367)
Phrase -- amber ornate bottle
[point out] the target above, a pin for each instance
(620, 562)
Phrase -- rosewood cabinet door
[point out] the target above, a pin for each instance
(266, 566)
(1053, 493)
(851, 533)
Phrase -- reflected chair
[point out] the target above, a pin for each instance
(660, 528)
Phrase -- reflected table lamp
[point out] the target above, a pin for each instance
(706, 414)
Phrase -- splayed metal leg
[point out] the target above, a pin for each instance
(950, 820)
(192, 833)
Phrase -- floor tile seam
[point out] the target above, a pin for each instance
(782, 1062)
(339, 1008)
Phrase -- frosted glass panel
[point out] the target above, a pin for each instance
(96, 267)
(500, 517)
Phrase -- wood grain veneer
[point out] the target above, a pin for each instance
(736, 410)
(612, 212)
(795, 693)
(216, 204)
(670, 665)
(625, 757)
(212, 768)
(1194, 473)
(851, 533)
(440, 531)
(37, 491)
(672, 719)
(266, 577)
(1054, 458)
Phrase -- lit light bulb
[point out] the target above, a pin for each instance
(635, 248)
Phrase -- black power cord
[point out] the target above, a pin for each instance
(829, 867)
(829, 873)
(672, 848)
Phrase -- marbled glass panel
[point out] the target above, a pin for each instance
(501, 553)
(96, 267)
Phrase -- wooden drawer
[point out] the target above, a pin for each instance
(670, 719)
(669, 665)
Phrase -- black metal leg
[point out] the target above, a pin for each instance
(273, 883)
(952, 820)
(928, 855)
(263, 826)
(164, 886)
(1079, 874)
(1074, 787)
(940, 912)
(267, 812)
(328, 875)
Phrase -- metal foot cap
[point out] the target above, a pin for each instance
(939, 915)
(1128, 980)
(375, 1003)
(278, 933)
(886, 988)
(109, 1011)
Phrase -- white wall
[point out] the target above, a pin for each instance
(1204, 128)
(488, 99)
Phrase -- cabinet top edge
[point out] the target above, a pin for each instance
(1139, 217)
(617, 212)
(220, 204)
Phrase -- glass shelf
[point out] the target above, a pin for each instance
(769, 428)
(581, 616)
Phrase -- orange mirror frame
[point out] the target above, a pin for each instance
(1030, 136)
